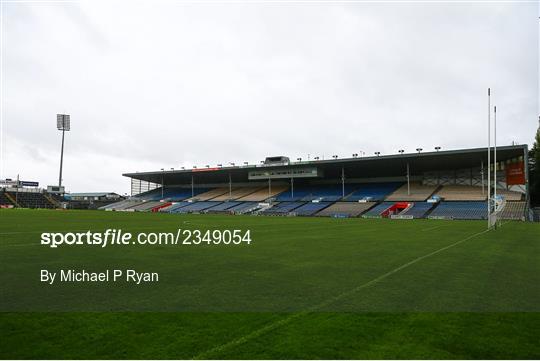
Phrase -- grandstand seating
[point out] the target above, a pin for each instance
(162, 206)
(223, 207)
(194, 207)
(311, 208)
(329, 192)
(510, 195)
(282, 208)
(244, 207)
(375, 191)
(418, 192)
(461, 193)
(121, 205)
(460, 210)
(237, 193)
(294, 194)
(346, 209)
(513, 210)
(418, 209)
(146, 206)
(263, 194)
(212, 193)
(31, 200)
(170, 193)
(174, 207)
(4, 200)
(396, 209)
(378, 209)
(325, 192)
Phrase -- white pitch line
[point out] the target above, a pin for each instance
(286, 320)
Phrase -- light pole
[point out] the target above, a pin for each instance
(489, 160)
(495, 159)
(63, 124)
(437, 148)
(377, 153)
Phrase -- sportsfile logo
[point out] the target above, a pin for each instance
(110, 236)
(118, 237)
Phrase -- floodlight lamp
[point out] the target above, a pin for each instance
(63, 122)
(418, 150)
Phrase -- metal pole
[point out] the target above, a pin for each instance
(292, 187)
(162, 186)
(61, 158)
(495, 155)
(489, 159)
(342, 182)
(192, 187)
(408, 181)
(230, 186)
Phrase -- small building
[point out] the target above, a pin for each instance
(93, 196)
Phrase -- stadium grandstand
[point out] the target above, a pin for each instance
(441, 184)
(21, 194)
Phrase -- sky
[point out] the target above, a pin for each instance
(164, 84)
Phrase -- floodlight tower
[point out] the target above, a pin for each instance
(63, 124)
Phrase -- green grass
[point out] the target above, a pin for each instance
(305, 288)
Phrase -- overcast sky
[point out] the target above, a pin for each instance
(161, 84)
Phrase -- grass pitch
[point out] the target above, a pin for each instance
(304, 288)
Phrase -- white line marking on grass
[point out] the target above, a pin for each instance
(207, 354)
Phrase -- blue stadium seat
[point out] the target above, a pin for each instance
(243, 207)
(460, 210)
(378, 209)
(419, 209)
(324, 192)
(283, 208)
(175, 207)
(311, 208)
(223, 207)
(197, 207)
(376, 191)
(170, 193)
